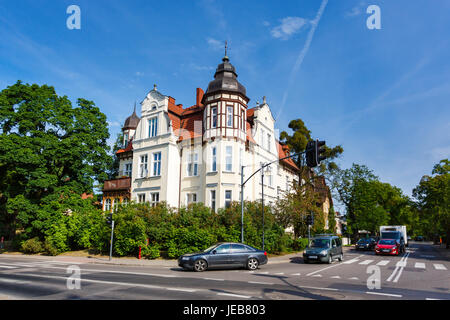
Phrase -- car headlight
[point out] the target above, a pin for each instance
(185, 258)
(324, 252)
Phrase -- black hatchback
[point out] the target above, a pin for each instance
(224, 255)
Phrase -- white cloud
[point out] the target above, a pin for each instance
(356, 10)
(288, 27)
(216, 44)
(139, 74)
(113, 124)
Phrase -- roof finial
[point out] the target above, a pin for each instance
(225, 58)
(154, 87)
(134, 111)
(264, 100)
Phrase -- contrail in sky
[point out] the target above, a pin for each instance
(304, 51)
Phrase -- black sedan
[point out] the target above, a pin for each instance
(365, 244)
(224, 255)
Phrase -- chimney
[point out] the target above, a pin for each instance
(199, 98)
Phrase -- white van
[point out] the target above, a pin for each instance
(395, 232)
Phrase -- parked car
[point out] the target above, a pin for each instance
(388, 246)
(324, 249)
(224, 255)
(365, 244)
(419, 238)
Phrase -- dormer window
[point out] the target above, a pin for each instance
(125, 140)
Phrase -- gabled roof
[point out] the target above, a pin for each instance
(283, 151)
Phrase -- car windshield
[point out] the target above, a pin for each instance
(320, 243)
(210, 248)
(388, 242)
(390, 235)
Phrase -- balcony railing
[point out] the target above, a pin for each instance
(117, 184)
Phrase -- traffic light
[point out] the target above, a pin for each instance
(310, 219)
(109, 219)
(315, 153)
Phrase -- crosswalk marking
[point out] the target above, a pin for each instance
(353, 278)
(438, 266)
(317, 275)
(296, 274)
(351, 261)
(383, 262)
(365, 262)
(335, 277)
(419, 265)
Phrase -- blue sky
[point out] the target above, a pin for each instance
(382, 94)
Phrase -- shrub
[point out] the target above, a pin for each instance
(150, 252)
(49, 249)
(300, 244)
(32, 246)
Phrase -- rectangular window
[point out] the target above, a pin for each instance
(153, 127)
(269, 137)
(214, 117)
(241, 159)
(287, 183)
(214, 159)
(192, 166)
(243, 120)
(143, 166)
(155, 198)
(141, 197)
(125, 140)
(191, 198)
(261, 138)
(213, 200)
(156, 164)
(227, 198)
(269, 176)
(229, 158)
(229, 116)
(108, 205)
(128, 168)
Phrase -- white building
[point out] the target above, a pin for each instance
(184, 155)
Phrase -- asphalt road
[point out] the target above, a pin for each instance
(421, 273)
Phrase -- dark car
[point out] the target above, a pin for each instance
(324, 249)
(224, 255)
(418, 238)
(365, 244)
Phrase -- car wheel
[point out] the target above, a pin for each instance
(252, 264)
(305, 260)
(200, 265)
(330, 259)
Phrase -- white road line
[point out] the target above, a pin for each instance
(401, 268)
(279, 273)
(296, 274)
(351, 261)
(365, 262)
(438, 266)
(14, 281)
(256, 282)
(353, 278)
(398, 266)
(335, 277)
(419, 265)
(265, 272)
(336, 265)
(8, 267)
(385, 294)
(316, 288)
(214, 279)
(432, 299)
(383, 262)
(233, 295)
(317, 276)
(182, 289)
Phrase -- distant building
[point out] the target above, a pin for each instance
(185, 155)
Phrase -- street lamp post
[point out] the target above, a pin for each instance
(242, 204)
(262, 202)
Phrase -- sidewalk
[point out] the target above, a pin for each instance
(131, 261)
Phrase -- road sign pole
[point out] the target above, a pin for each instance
(111, 243)
(242, 204)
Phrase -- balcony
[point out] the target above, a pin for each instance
(117, 184)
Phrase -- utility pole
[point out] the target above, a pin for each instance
(112, 236)
(242, 204)
(262, 202)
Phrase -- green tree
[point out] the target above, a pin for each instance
(46, 145)
(433, 196)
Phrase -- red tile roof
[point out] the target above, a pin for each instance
(283, 151)
(128, 148)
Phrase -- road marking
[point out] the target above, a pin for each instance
(316, 288)
(265, 272)
(398, 266)
(385, 294)
(366, 262)
(351, 261)
(432, 299)
(427, 256)
(439, 266)
(353, 278)
(336, 265)
(214, 279)
(317, 276)
(280, 273)
(8, 267)
(401, 268)
(256, 282)
(181, 289)
(296, 274)
(419, 265)
(383, 262)
(13, 281)
(335, 277)
(233, 295)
